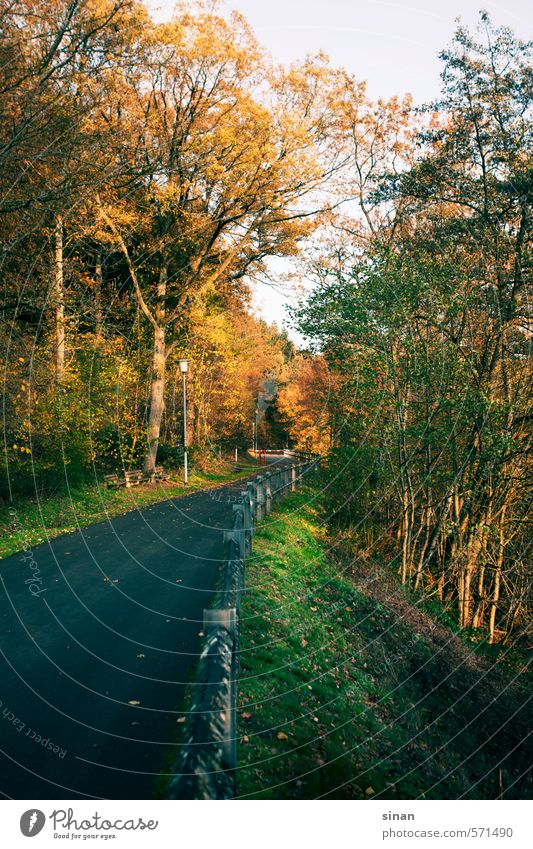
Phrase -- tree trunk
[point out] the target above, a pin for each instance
(406, 536)
(472, 555)
(479, 612)
(98, 314)
(427, 506)
(467, 596)
(427, 534)
(497, 577)
(157, 399)
(59, 300)
(159, 360)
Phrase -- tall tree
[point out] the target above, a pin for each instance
(430, 325)
(218, 177)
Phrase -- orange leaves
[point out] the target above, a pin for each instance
(303, 401)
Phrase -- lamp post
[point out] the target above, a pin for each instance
(184, 365)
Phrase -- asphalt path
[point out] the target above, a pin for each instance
(100, 633)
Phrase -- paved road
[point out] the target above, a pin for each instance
(100, 633)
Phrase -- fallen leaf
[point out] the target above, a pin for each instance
(370, 791)
(134, 702)
(246, 715)
(180, 720)
(282, 736)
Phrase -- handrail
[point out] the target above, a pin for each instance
(206, 767)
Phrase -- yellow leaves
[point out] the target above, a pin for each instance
(122, 216)
(303, 401)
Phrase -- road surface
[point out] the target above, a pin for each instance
(100, 634)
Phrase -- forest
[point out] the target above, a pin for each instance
(149, 173)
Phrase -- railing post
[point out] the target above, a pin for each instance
(260, 496)
(296, 473)
(275, 487)
(293, 478)
(248, 518)
(251, 487)
(214, 621)
(240, 533)
(268, 491)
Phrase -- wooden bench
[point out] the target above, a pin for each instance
(134, 477)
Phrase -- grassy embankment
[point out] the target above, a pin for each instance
(349, 688)
(29, 522)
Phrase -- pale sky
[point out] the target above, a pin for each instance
(392, 45)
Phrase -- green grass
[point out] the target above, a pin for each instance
(28, 522)
(349, 690)
(301, 685)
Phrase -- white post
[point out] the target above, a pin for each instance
(185, 469)
(185, 464)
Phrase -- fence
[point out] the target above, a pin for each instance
(206, 767)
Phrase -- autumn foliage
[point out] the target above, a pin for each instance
(148, 174)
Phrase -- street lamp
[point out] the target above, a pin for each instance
(184, 365)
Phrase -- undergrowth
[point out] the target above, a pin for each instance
(349, 688)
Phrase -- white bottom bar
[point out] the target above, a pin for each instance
(269, 825)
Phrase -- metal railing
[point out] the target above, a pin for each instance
(206, 767)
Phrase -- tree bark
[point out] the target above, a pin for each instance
(497, 578)
(157, 399)
(59, 299)
(159, 359)
(98, 313)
